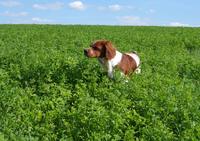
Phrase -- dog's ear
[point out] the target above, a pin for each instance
(110, 50)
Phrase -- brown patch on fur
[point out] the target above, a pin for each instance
(127, 64)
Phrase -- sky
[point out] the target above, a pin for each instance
(102, 12)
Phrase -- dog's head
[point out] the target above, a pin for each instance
(100, 49)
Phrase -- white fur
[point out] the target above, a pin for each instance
(116, 60)
(110, 64)
(113, 62)
(138, 70)
(110, 69)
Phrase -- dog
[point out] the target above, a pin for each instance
(110, 58)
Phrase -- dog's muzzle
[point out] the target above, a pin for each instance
(86, 52)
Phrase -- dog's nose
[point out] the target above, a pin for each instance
(85, 52)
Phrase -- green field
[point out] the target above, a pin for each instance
(50, 91)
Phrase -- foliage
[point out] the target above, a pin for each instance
(50, 91)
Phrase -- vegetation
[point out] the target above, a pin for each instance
(50, 91)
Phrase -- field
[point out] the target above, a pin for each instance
(50, 91)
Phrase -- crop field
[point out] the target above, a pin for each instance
(50, 91)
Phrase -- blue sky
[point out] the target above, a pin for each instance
(102, 12)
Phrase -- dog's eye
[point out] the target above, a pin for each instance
(95, 48)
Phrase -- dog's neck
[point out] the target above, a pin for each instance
(114, 61)
(117, 59)
(110, 64)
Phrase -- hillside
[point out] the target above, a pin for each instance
(50, 91)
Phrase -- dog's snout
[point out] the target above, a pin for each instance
(85, 52)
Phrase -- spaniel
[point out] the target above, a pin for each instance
(110, 58)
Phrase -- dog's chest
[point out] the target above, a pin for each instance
(113, 62)
(117, 59)
(102, 61)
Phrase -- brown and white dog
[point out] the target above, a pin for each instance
(110, 58)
